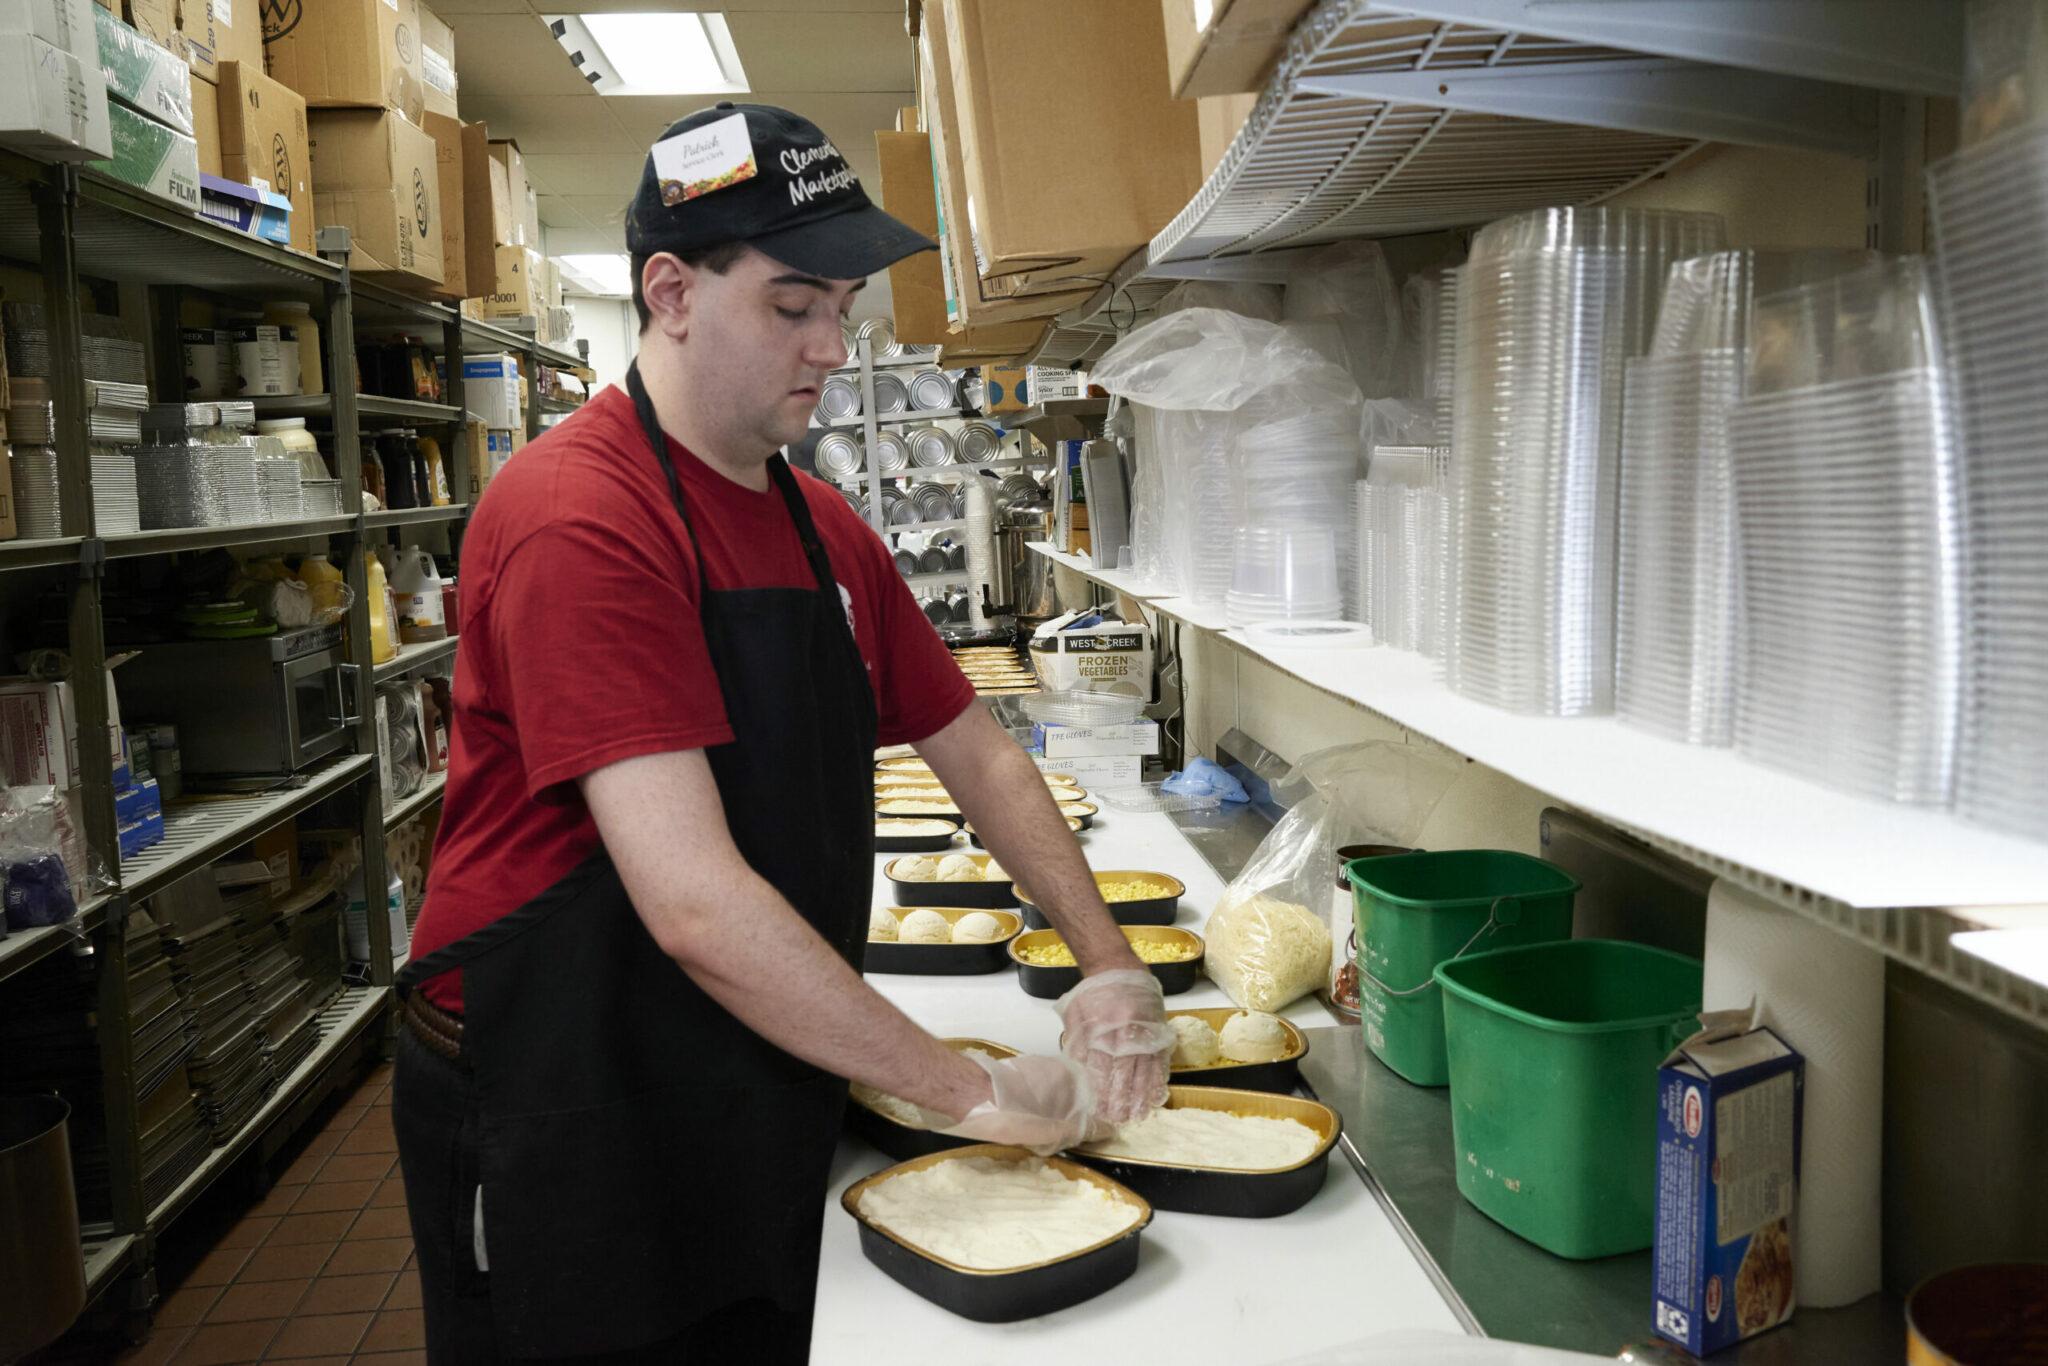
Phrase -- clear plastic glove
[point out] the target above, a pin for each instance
(1044, 1104)
(1116, 1028)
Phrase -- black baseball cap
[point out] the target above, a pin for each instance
(782, 188)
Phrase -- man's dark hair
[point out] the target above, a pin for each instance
(718, 260)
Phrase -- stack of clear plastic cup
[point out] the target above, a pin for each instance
(1848, 487)
(1396, 526)
(1283, 573)
(1989, 205)
(1677, 592)
(1550, 305)
(1444, 387)
(1301, 472)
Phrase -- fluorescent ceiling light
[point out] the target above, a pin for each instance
(609, 276)
(652, 54)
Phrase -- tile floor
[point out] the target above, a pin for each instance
(316, 1272)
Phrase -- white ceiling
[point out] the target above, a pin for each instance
(844, 64)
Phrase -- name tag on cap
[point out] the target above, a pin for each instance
(713, 157)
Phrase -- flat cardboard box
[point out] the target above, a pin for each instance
(152, 157)
(516, 293)
(1122, 770)
(447, 135)
(917, 286)
(1032, 206)
(52, 103)
(378, 175)
(265, 140)
(354, 53)
(66, 25)
(147, 78)
(1219, 117)
(1234, 51)
(1096, 742)
(206, 129)
(156, 20)
(486, 210)
(505, 152)
(437, 63)
(217, 31)
(246, 208)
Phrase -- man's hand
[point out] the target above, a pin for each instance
(1044, 1104)
(1116, 1028)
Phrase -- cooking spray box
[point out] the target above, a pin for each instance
(1728, 1111)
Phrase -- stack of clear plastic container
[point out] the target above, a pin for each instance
(1849, 499)
(1989, 205)
(1677, 586)
(1299, 472)
(1397, 520)
(1443, 387)
(1550, 305)
(1283, 573)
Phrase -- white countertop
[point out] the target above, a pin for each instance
(1229, 1291)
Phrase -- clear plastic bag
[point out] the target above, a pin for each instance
(1349, 285)
(41, 858)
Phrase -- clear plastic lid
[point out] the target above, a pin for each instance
(1875, 321)
(1708, 299)
(1078, 707)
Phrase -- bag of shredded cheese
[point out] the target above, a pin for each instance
(1266, 948)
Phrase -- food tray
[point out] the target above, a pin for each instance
(1281, 1074)
(1001, 1296)
(902, 764)
(979, 896)
(915, 844)
(953, 814)
(1163, 909)
(943, 960)
(1084, 812)
(1224, 1191)
(1051, 983)
(900, 1141)
(1074, 823)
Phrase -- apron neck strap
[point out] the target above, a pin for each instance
(778, 472)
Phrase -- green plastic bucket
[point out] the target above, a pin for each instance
(1554, 1053)
(1416, 910)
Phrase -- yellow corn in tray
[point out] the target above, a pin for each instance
(1131, 889)
(1148, 950)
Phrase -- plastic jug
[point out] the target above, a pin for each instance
(328, 584)
(437, 472)
(421, 614)
(383, 636)
(299, 317)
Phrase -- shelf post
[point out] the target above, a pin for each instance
(870, 435)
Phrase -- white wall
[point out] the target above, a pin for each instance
(608, 326)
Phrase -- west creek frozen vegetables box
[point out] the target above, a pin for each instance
(1728, 1109)
(1109, 656)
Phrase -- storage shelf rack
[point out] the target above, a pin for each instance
(75, 228)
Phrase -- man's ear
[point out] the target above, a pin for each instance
(670, 288)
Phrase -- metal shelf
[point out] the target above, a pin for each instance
(372, 410)
(854, 424)
(1875, 871)
(342, 1022)
(551, 404)
(920, 471)
(199, 829)
(410, 657)
(950, 575)
(944, 524)
(415, 516)
(40, 554)
(409, 807)
(929, 362)
(378, 309)
(25, 948)
(1055, 419)
(129, 544)
(556, 358)
(480, 338)
(104, 1259)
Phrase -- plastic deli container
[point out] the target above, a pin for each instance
(1554, 1051)
(1414, 911)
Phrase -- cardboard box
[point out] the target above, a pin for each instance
(265, 141)
(212, 32)
(152, 157)
(494, 390)
(354, 53)
(262, 214)
(206, 128)
(378, 174)
(1048, 382)
(437, 64)
(917, 285)
(156, 20)
(908, 121)
(66, 25)
(515, 290)
(485, 450)
(1033, 207)
(530, 219)
(1217, 119)
(1113, 657)
(38, 733)
(1096, 742)
(1728, 1115)
(1127, 770)
(486, 212)
(1005, 389)
(8, 526)
(52, 103)
(142, 75)
(447, 133)
(513, 223)
(1226, 47)
(551, 284)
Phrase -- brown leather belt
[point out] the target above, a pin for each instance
(431, 1025)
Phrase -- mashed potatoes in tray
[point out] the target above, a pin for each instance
(1212, 1138)
(992, 1215)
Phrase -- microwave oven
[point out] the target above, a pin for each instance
(263, 705)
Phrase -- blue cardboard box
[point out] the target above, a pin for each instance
(248, 209)
(1728, 1133)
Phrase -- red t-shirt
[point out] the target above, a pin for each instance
(582, 646)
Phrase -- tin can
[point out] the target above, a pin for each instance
(891, 455)
(932, 389)
(930, 447)
(881, 336)
(978, 443)
(839, 399)
(839, 455)
(891, 396)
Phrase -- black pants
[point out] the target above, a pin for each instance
(433, 1111)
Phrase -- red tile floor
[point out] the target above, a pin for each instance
(317, 1271)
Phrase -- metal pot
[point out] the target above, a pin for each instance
(42, 1265)
(1030, 574)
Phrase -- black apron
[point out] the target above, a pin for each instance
(649, 1165)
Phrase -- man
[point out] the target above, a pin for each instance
(634, 992)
